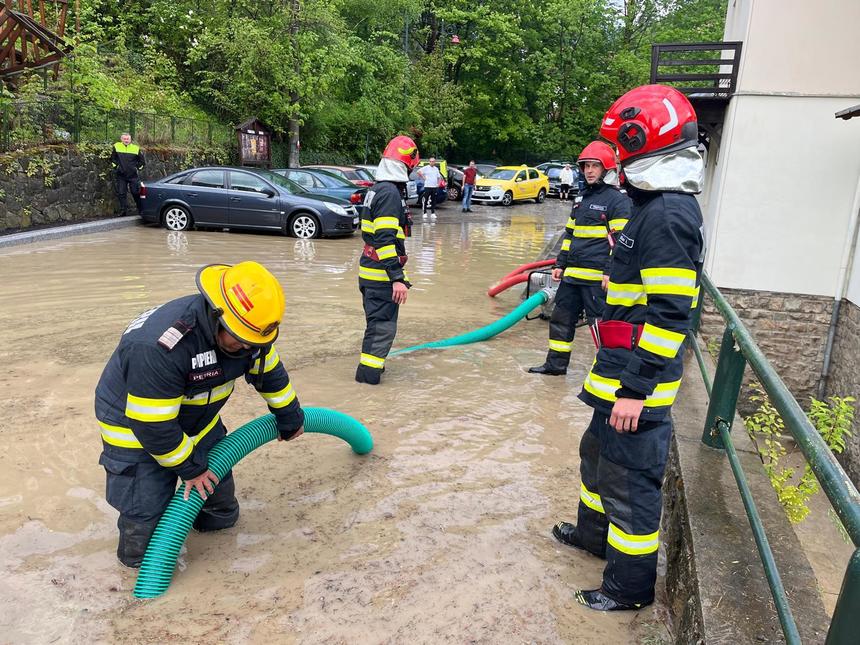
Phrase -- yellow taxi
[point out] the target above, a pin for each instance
(508, 184)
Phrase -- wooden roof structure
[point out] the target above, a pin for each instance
(31, 34)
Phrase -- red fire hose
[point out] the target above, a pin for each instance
(518, 275)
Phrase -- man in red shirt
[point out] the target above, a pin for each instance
(469, 175)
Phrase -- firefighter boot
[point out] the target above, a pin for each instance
(546, 370)
(596, 599)
(133, 539)
(565, 532)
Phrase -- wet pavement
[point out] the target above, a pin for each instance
(440, 535)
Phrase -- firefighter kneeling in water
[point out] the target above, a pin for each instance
(385, 225)
(584, 256)
(159, 398)
(653, 288)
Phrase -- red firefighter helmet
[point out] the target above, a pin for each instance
(648, 120)
(402, 148)
(600, 152)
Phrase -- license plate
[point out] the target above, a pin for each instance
(355, 221)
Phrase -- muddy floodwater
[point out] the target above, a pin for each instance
(440, 535)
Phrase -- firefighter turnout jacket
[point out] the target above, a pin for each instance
(161, 392)
(384, 224)
(654, 285)
(127, 160)
(584, 254)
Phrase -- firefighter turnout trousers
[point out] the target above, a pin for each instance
(570, 301)
(141, 492)
(620, 503)
(381, 312)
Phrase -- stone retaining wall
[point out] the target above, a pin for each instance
(61, 184)
(791, 330)
(844, 379)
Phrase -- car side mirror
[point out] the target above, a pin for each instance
(518, 179)
(268, 192)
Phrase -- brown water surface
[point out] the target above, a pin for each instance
(440, 535)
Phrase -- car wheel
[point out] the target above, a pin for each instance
(304, 226)
(507, 199)
(541, 196)
(454, 194)
(176, 218)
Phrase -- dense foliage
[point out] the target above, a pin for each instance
(526, 80)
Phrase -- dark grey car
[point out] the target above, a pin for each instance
(243, 198)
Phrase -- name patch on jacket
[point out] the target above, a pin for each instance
(626, 241)
(196, 377)
(597, 207)
(204, 359)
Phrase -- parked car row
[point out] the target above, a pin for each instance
(310, 201)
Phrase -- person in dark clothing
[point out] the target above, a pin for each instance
(584, 256)
(653, 288)
(159, 398)
(128, 160)
(385, 225)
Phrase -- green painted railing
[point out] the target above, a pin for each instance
(737, 350)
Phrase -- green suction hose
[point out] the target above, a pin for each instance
(159, 561)
(484, 333)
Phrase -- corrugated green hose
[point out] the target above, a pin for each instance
(159, 561)
(484, 333)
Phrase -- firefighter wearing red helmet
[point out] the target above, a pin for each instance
(385, 225)
(584, 256)
(652, 290)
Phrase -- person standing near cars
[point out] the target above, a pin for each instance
(652, 292)
(470, 173)
(385, 225)
(432, 179)
(565, 181)
(584, 256)
(127, 160)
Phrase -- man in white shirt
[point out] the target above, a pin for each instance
(565, 181)
(432, 178)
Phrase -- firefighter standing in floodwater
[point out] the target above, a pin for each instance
(652, 290)
(584, 256)
(385, 224)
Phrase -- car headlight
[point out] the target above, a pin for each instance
(495, 189)
(334, 208)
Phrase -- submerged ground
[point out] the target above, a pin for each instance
(441, 535)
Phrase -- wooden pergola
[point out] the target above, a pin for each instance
(31, 34)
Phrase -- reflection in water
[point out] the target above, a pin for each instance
(438, 536)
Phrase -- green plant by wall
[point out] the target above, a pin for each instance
(43, 165)
(766, 428)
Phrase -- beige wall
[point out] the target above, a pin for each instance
(797, 45)
(784, 189)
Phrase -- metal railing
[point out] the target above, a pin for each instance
(738, 349)
(695, 69)
(27, 124)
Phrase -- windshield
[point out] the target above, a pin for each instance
(502, 174)
(553, 173)
(283, 182)
(332, 180)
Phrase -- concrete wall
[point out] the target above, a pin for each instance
(61, 184)
(784, 177)
(844, 378)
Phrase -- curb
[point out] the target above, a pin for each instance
(56, 232)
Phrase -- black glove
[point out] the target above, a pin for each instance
(287, 428)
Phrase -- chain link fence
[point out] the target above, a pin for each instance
(27, 124)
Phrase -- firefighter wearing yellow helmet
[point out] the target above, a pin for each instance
(159, 398)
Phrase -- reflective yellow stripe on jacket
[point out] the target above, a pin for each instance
(670, 281)
(589, 231)
(124, 437)
(280, 399)
(660, 341)
(377, 275)
(583, 273)
(152, 410)
(605, 388)
(272, 360)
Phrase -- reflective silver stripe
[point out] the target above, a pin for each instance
(372, 361)
(669, 281)
(281, 398)
(560, 345)
(660, 341)
(135, 409)
(626, 295)
(222, 391)
(178, 454)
